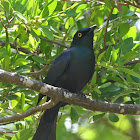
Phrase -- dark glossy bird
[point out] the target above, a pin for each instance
(71, 70)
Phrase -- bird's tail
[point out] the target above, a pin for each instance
(47, 126)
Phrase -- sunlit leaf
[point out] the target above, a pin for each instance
(52, 5)
(132, 32)
(114, 56)
(14, 103)
(81, 7)
(35, 36)
(22, 100)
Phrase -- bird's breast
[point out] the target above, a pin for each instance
(80, 70)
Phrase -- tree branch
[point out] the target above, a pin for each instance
(132, 62)
(6, 30)
(66, 96)
(129, 3)
(38, 73)
(2, 43)
(53, 41)
(107, 25)
(31, 111)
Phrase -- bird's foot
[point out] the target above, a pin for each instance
(81, 94)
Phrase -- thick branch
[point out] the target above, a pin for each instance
(66, 96)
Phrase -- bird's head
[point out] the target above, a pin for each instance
(84, 37)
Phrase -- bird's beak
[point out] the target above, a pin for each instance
(93, 28)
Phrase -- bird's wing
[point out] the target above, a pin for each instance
(58, 67)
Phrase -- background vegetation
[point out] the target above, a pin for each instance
(34, 32)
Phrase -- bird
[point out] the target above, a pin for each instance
(71, 70)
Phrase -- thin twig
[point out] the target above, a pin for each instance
(129, 3)
(132, 62)
(6, 31)
(11, 132)
(55, 42)
(30, 111)
(40, 72)
(107, 25)
(2, 43)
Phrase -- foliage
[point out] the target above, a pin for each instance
(24, 26)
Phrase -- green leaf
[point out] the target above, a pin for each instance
(48, 33)
(20, 62)
(14, 103)
(115, 11)
(22, 34)
(129, 43)
(12, 97)
(105, 85)
(34, 35)
(94, 77)
(6, 6)
(137, 101)
(130, 55)
(124, 28)
(114, 56)
(3, 138)
(3, 53)
(72, 30)
(131, 72)
(124, 10)
(65, 6)
(99, 18)
(96, 89)
(95, 95)
(25, 134)
(101, 56)
(52, 5)
(132, 32)
(22, 100)
(97, 117)
(74, 115)
(80, 8)
(6, 62)
(43, 100)
(38, 59)
(113, 117)
(69, 22)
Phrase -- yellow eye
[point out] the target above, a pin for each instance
(79, 34)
